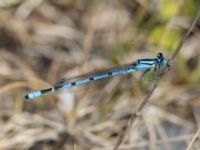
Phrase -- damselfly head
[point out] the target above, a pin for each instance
(160, 56)
(164, 64)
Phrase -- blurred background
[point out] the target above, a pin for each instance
(42, 41)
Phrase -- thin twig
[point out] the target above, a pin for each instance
(182, 41)
(134, 115)
(193, 140)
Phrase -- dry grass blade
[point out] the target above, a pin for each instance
(146, 99)
(12, 86)
(193, 140)
(143, 144)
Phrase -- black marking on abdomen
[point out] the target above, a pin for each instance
(57, 87)
(46, 90)
(91, 79)
(109, 74)
(73, 83)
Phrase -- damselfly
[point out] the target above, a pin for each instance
(159, 63)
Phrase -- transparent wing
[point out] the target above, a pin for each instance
(95, 73)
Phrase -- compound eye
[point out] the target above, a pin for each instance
(159, 55)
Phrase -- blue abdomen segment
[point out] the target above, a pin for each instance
(118, 72)
(82, 81)
(98, 77)
(33, 95)
(66, 85)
